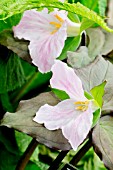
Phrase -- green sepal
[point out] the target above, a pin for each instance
(98, 92)
(62, 95)
(96, 116)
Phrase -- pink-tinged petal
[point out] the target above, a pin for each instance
(54, 117)
(44, 50)
(62, 13)
(34, 24)
(64, 78)
(77, 129)
(61, 0)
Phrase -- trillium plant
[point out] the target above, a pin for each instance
(56, 85)
(75, 115)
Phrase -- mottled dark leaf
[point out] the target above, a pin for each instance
(103, 140)
(22, 120)
(20, 47)
(108, 44)
(94, 74)
(85, 55)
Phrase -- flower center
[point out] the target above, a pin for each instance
(83, 106)
(58, 24)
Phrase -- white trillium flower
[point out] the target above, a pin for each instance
(73, 116)
(47, 33)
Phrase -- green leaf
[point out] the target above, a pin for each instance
(98, 92)
(11, 71)
(23, 141)
(77, 8)
(34, 85)
(6, 102)
(85, 24)
(7, 138)
(8, 161)
(60, 94)
(102, 137)
(102, 7)
(9, 22)
(96, 116)
(90, 4)
(90, 161)
(71, 44)
(73, 17)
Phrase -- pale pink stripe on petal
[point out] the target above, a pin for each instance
(44, 50)
(77, 129)
(33, 25)
(64, 78)
(54, 117)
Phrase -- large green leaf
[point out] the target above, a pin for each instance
(11, 72)
(9, 22)
(7, 138)
(103, 140)
(22, 120)
(77, 8)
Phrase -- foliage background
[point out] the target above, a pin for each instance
(20, 80)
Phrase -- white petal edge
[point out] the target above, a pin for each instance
(77, 130)
(64, 78)
(55, 117)
(44, 50)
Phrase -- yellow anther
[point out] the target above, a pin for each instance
(59, 18)
(57, 25)
(82, 103)
(83, 106)
(54, 31)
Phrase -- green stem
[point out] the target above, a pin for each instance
(58, 160)
(81, 153)
(78, 156)
(27, 154)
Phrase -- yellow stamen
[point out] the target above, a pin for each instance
(54, 31)
(83, 106)
(83, 103)
(57, 25)
(59, 18)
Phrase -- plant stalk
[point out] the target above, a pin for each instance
(27, 154)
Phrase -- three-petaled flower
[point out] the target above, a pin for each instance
(47, 33)
(73, 116)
